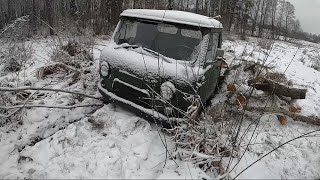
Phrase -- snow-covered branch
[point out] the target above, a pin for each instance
(49, 106)
(46, 89)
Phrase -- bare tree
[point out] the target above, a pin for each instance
(102, 15)
(296, 28)
(49, 15)
(280, 18)
(265, 8)
(274, 5)
(289, 16)
(255, 14)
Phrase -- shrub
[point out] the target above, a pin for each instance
(14, 57)
(5, 101)
(265, 43)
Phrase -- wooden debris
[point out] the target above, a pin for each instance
(279, 89)
(277, 77)
(253, 67)
(283, 120)
(231, 88)
(241, 100)
(22, 95)
(57, 68)
(294, 109)
(296, 117)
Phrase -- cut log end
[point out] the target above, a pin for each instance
(283, 120)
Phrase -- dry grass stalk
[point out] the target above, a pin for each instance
(265, 43)
(15, 57)
(72, 54)
(54, 69)
(202, 141)
(6, 100)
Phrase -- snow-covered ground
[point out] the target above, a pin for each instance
(299, 159)
(294, 60)
(109, 142)
(102, 142)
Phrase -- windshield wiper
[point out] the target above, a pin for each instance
(126, 46)
(154, 53)
(151, 51)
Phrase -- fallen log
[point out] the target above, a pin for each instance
(277, 88)
(251, 112)
(296, 117)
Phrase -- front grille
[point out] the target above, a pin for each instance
(131, 93)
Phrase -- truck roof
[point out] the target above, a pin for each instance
(173, 16)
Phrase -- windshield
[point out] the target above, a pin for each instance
(175, 41)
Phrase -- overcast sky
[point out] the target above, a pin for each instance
(308, 12)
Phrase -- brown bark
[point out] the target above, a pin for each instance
(277, 88)
(296, 117)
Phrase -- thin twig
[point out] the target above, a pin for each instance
(291, 60)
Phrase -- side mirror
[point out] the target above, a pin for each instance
(220, 53)
(219, 57)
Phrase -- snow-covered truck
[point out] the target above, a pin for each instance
(161, 64)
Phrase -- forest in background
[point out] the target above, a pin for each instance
(260, 18)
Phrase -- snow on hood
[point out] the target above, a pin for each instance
(142, 63)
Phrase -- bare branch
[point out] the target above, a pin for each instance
(49, 106)
(46, 89)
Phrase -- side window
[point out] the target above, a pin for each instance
(131, 30)
(212, 47)
(126, 33)
(220, 40)
(215, 42)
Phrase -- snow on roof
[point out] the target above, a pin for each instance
(180, 17)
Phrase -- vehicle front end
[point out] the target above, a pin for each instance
(154, 68)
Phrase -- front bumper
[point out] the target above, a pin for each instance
(148, 114)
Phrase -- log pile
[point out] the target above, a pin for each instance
(273, 84)
(277, 88)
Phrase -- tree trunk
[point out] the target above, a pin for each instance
(253, 28)
(277, 88)
(11, 10)
(296, 117)
(49, 14)
(273, 17)
(34, 17)
(286, 29)
(170, 5)
(197, 6)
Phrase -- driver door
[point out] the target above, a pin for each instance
(212, 69)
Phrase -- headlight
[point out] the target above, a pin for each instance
(167, 90)
(104, 69)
